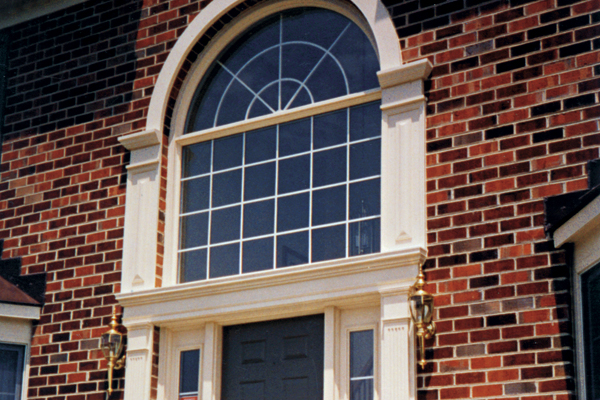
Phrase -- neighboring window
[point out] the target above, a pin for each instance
(590, 289)
(189, 369)
(361, 365)
(11, 371)
(301, 191)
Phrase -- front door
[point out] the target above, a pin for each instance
(274, 360)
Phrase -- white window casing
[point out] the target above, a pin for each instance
(369, 291)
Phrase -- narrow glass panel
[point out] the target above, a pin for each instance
(195, 194)
(364, 237)
(228, 152)
(227, 188)
(329, 243)
(365, 121)
(361, 365)
(259, 218)
(261, 145)
(330, 129)
(329, 167)
(365, 198)
(189, 373)
(294, 174)
(225, 260)
(294, 137)
(225, 225)
(292, 249)
(196, 159)
(259, 181)
(292, 212)
(192, 265)
(365, 159)
(361, 353)
(257, 255)
(329, 205)
(194, 230)
(361, 389)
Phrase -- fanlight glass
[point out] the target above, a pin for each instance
(293, 58)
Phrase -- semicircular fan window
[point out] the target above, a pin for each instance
(286, 61)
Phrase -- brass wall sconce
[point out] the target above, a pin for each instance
(112, 347)
(421, 309)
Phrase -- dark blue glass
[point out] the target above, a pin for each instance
(259, 181)
(259, 218)
(365, 159)
(330, 129)
(257, 255)
(294, 174)
(361, 353)
(261, 145)
(192, 265)
(327, 81)
(329, 205)
(361, 389)
(292, 249)
(195, 194)
(292, 212)
(225, 225)
(238, 95)
(365, 121)
(227, 188)
(329, 166)
(364, 237)
(228, 152)
(189, 371)
(365, 198)
(294, 137)
(329, 243)
(194, 230)
(196, 159)
(225, 260)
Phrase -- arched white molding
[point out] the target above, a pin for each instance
(374, 12)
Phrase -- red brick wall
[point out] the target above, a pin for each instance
(512, 117)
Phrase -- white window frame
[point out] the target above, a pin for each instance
(583, 230)
(381, 280)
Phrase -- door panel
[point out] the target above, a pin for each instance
(273, 360)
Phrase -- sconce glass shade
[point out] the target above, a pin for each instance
(421, 307)
(111, 344)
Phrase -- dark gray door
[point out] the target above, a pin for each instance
(274, 360)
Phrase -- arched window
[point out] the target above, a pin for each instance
(303, 190)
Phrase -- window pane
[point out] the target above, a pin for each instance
(329, 167)
(259, 218)
(192, 265)
(364, 237)
(225, 225)
(11, 370)
(292, 249)
(329, 205)
(330, 129)
(196, 159)
(225, 260)
(227, 188)
(257, 255)
(294, 137)
(194, 230)
(259, 181)
(228, 152)
(294, 174)
(365, 159)
(194, 194)
(261, 145)
(365, 121)
(329, 243)
(189, 372)
(361, 365)
(292, 212)
(365, 198)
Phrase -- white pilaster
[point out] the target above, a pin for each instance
(138, 365)
(141, 211)
(398, 363)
